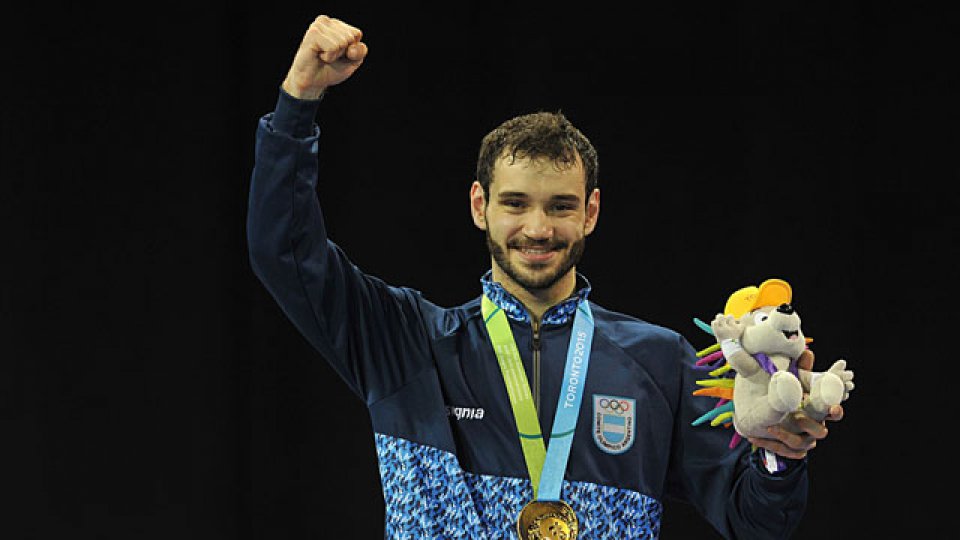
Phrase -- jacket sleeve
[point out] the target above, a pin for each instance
(729, 487)
(372, 334)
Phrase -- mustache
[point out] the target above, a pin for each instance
(541, 244)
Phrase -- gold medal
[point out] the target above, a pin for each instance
(547, 520)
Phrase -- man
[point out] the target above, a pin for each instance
(529, 411)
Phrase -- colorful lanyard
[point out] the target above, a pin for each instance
(545, 466)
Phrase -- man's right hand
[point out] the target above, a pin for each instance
(330, 52)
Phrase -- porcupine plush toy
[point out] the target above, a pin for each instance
(754, 368)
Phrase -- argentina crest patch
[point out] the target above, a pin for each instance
(614, 425)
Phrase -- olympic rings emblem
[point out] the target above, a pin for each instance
(615, 405)
(614, 423)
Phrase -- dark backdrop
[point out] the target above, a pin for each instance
(150, 387)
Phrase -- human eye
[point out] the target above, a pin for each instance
(513, 202)
(564, 205)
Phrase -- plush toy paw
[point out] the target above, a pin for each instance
(726, 327)
(839, 368)
(784, 392)
(827, 391)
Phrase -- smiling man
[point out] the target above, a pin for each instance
(529, 411)
(543, 204)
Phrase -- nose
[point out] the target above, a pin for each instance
(786, 309)
(538, 226)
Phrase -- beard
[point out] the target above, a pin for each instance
(535, 281)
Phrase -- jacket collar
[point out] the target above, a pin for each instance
(560, 313)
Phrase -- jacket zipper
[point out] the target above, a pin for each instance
(536, 368)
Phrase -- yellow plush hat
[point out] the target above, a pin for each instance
(771, 292)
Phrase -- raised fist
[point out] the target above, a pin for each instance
(331, 51)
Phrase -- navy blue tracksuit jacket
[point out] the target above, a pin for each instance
(450, 461)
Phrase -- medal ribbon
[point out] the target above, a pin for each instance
(545, 466)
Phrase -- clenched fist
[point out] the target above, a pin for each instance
(330, 52)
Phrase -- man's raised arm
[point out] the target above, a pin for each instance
(367, 330)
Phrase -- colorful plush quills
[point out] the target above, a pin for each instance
(754, 365)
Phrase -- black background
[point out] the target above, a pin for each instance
(150, 387)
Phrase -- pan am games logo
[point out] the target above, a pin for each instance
(614, 423)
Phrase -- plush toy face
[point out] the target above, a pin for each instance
(773, 330)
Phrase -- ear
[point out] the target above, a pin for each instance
(478, 206)
(593, 212)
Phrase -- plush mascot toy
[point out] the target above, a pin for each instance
(754, 365)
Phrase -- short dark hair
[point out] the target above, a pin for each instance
(539, 135)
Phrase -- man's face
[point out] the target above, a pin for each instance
(536, 218)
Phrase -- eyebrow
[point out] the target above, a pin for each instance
(566, 197)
